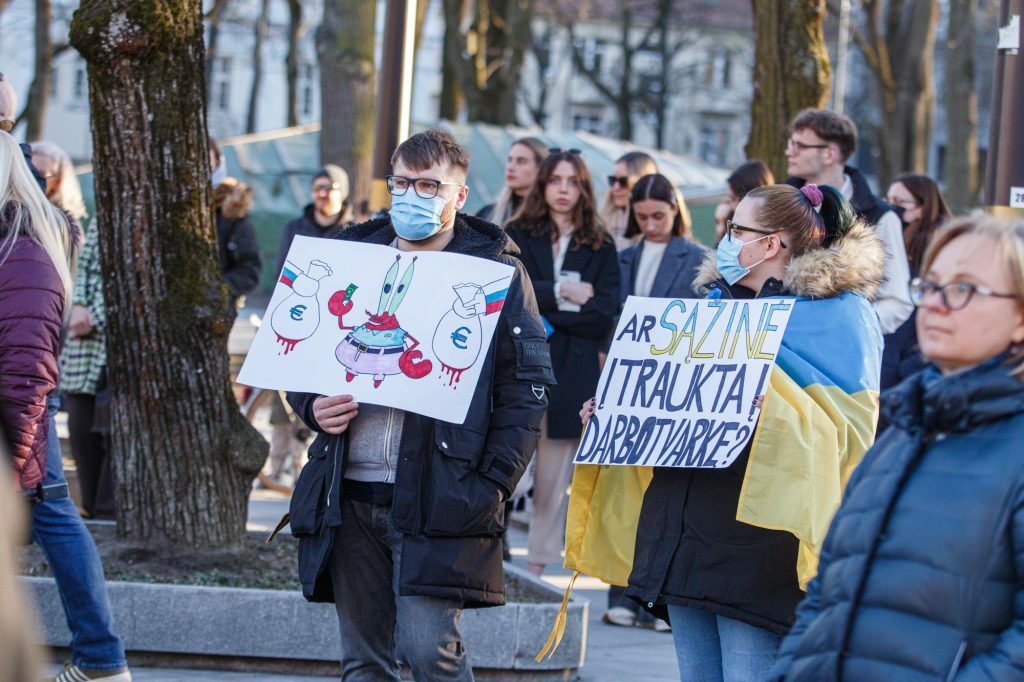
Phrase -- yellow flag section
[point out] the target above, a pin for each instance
(817, 421)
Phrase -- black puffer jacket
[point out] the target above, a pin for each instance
(237, 249)
(445, 495)
(690, 549)
(922, 573)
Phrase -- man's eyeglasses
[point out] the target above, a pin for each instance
(620, 180)
(955, 295)
(425, 188)
(559, 150)
(731, 227)
(796, 144)
(324, 189)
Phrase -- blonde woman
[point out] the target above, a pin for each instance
(524, 158)
(629, 168)
(922, 572)
(38, 242)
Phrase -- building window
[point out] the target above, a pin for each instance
(307, 99)
(222, 95)
(81, 83)
(53, 83)
(715, 141)
(718, 70)
(592, 53)
(588, 120)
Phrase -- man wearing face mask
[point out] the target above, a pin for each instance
(399, 516)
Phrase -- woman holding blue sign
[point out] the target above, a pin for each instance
(922, 573)
(723, 553)
(574, 268)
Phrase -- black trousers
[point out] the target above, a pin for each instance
(92, 457)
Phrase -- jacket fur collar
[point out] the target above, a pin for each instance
(473, 236)
(854, 263)
(234, 198)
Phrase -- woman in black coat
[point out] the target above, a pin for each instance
(574, 268)
(922, 574)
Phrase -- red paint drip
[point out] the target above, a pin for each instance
(453, 374)
(289, 345)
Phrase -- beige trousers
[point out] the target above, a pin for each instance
(552, 477)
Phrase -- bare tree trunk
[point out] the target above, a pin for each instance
(791, 73)
(665, 54)
(898, 43)
(453, 99)
(292, 60)
(215, 16)
(541, 48)
(184, 456)
(624, 106)
(489, 58)
(961, 103)
(34, 113)
(257, 66)
(345, 46)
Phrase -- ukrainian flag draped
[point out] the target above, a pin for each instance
(817, 421)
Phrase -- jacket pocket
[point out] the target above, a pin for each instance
(533, 355)
(308, 505)
(460, 501)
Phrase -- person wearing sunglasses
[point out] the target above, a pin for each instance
(730, 587)
(922, 572)
(629, 168)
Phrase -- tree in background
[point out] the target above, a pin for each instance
(961, 106)
(791, 72)
(214, 18)
(345, 46)
(897, 39)
(184, 456)
(486, 59)
(292, 60)
(34, 111)
(259, 35)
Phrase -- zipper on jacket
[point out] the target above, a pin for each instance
(957, 661)
(388, 428)
(334, 471)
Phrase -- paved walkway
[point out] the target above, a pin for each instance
(614, 654)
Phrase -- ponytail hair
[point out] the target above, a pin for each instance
(814, 216)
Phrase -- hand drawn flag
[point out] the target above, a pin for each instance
(494, 295)
(289, 273)
(817, 421)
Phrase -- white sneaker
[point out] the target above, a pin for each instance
(72, 673)
(619, 615)
(661, 626)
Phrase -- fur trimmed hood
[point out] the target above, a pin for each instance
(854, 263)
(234, 198)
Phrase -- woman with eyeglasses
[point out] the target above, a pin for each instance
(574, 268)
(629, 168)
(922, 573)
(919, 203)
(730, 587)
(524, 158)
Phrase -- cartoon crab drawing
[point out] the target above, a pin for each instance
(380, 346)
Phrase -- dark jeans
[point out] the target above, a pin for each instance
(92, 458)
(58, 530)
(378, 626)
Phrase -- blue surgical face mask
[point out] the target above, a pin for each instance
(415, 218)
(728, 259)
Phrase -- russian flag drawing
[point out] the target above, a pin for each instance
(494, 296)
(289, 273)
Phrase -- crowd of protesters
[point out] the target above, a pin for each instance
(919, 576)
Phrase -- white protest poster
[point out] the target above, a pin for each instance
(680, 386)
(400, 329)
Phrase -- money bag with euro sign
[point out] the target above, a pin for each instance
(297, 317)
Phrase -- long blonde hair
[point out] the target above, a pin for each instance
(502, 212)
(638, 164)
(28, 212)
(69, 191)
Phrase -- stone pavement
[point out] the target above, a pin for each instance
(614, 654)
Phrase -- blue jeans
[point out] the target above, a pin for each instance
(713, 648)
(378, 626)
(58, 529)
